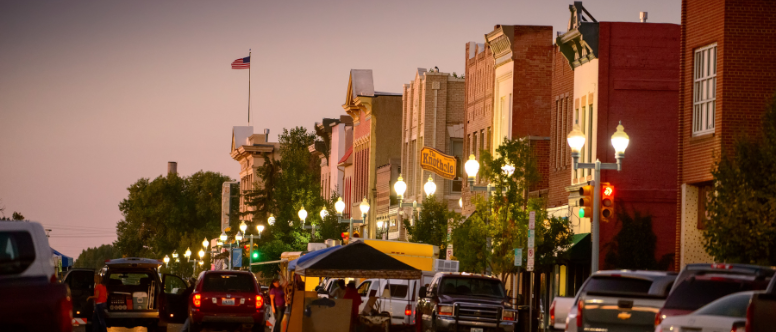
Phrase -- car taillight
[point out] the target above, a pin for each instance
(738, 327)
(580, 308)
(259, 302)
(721, 266)
(53, 278)
(552, 313)
(445, 310)
(408, 310)
(66, 314)
(659, 317)
(196, 300)
(749, 314)
(508, 315)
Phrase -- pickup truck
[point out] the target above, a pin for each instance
(559, 310)
(759, 314)
(31, 298)
(620, 300)
(464, 301)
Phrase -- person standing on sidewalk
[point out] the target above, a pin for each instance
(100, 299)
(277, 298)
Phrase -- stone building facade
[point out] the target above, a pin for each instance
(249, 150)
(726, 81)
(336, 138)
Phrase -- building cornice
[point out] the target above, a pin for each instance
(579, 45)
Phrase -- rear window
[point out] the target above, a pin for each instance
(81, 280)
(471, 287)
(222, 282)
(129, 279)
(731, 306)
(17, 252)
(618, 285)
(692, 293)
(398, 291)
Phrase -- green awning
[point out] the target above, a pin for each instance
(581, 248)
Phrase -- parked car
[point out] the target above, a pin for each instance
(559, 310)
(622, 300)
(228, 299)
(724, 314)
(700, 284)
(137, 294)
(31, 298)
(455, 300)
(81, 283)
(760, 313)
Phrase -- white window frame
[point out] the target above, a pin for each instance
(704, 90)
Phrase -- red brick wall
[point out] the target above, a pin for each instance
(561, 118)
(541, 149)
(478, 104)
(638, 85)
(532, 55)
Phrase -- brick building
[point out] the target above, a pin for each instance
(624, 72)
(432, 116)
(336, 138)
(376, 116)
(726, 80)
(249, 150)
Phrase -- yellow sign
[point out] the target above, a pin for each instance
(433, 160)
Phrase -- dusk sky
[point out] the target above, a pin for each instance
(97, 94)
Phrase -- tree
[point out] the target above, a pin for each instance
(94, 258)
(17, 216)
(634, 245)
(741, 222)
(432, 222)
(170, 213)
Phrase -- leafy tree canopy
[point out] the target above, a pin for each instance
(431, 224)
(94, 258)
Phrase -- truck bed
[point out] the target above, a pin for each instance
(34, 304)
(762, 317)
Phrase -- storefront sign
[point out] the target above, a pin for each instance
(435, 161)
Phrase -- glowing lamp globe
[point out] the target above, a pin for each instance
(260, 228)
(400, 187)
(271, 220)
(339, 206)
(223, 236)
(238, 237)
(324, 213)
(166, 259)
(576, 139)
(620, 140)
(430, 186)
(243, 226)
(205, 243)
(508, 169)
(302, 214)
(472, 167)
(364, 206)
(201, 253)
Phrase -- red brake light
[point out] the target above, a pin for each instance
(53, 278)
(659, 318)
(749, 313)
(721, 266)
(580, 307)
(259, 302)
(552, 313)
(66, 314)
(408, 310)
(197, 300)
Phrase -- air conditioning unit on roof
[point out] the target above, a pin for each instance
(441, 265)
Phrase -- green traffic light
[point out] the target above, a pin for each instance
(255, 255)
(581, 212)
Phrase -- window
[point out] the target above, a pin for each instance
(472, 287)
(17, 252)
(694, 293)
(222, 282)
(618, 285)
(704, 90)
(482, 140)
(730, 306)
(490, 140)
(174, 285)
(363, 288)
(456, 149)
(398, 291)
(474, 146)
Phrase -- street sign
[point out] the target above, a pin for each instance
(237, 257)
(532, 220)
(435, 161)
(531, 253)
(530, 266)
(449, 254)
(519, 257)
(531, 237)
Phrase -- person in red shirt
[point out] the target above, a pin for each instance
(100, 299)
(352, 294)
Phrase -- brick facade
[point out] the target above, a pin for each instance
(561, 119)
(744, 82)
(479, 106)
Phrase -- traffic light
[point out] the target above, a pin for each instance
(246, 250)
(585, 201)
(255, 255)
(345, 237)
(607, 202)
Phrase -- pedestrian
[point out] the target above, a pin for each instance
(277, 298)
(339, 290)
(100, 299)
(352, 294)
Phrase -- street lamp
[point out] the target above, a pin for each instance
(260, 228)
(324, 213)
(166, 260)
(187, 254)
(271, 220)
(339, 206)
(576, 140)
(400, 186)
(472, 167)
(302, 215)
(430, 186)
(508, 169)
(201, 253)
(243, 226)
(205, 243)
(223, 236)
(174, 254)
(238, 236)
(460, 202)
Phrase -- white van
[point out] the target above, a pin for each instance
(395, 296)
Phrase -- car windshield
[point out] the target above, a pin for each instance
(222, 282)
(471, 287)
(693, 293)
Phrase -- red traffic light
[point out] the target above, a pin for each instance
(608, 190)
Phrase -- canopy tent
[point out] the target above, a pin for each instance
(356, 260)
(292, 265)
(66, 260)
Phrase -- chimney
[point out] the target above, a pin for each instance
(643, 17)
(266, 135)
(172, 167)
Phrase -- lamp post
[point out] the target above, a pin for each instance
(339, 206)
(400, 187)
(576, 140)
(166, 260)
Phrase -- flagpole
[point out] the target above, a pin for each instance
(249, 87)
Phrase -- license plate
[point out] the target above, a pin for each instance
(476, 329)
(227, 301)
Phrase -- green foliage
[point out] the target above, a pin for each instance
(170, 213)
(431, 225)
(17, 216)
(742, 208)
(634, 245)
(94, 258)
(503, 216)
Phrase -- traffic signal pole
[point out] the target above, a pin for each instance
(597, 166)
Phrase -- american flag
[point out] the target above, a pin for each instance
(242, 63)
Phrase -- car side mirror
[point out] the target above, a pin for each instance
(422, 292)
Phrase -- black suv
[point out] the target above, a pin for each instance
(137, 294)
(465, 301)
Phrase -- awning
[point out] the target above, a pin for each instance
(309, 256)
(581, 248)
(66, 260)
(356, 260)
